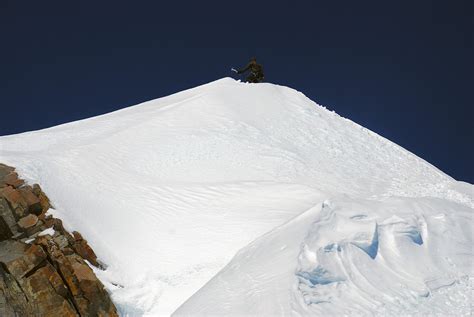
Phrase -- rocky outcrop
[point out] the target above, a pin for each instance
(43, 268)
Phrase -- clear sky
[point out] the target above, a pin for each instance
(403, 69)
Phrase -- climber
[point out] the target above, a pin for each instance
(256, 71)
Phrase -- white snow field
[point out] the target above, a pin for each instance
(250, 199)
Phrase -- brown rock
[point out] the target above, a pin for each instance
(13, 301)
(88, 293)
(77, 236)
(82, 271)
(13, 180)
(11, 250)
(58, 226)
(50, 277)
(34, 231)
(5, 231)
(5, 170)
(61, 241)
(47, 290)
(8, 177)
(83, 249)
(17, 203)
(30, 225)
(48, 221)
(44, 200)
(21, 259)
(93, 298)
(33, 202)
(27, 222)
(68, 251)
(7, 214)
(30, 284)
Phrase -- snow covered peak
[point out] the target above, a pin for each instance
(232, 131)
(169, 190)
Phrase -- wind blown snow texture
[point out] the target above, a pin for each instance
(234, 198)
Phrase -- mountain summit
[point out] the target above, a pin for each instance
(236, 198)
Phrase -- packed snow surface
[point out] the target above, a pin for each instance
(235, 199)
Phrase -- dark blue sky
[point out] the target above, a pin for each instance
(403, 69)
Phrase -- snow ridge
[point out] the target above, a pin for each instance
(218, 198)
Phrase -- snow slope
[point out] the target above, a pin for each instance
(328, 216)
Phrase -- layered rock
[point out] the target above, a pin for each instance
(43, 272)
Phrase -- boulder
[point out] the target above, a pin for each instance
(5, 170)
(31, 225)
(44, 200)
(32, 201)
(16, 201)
(83, 249)
(27, 222)
(11, 250)
(12, 179)
(21, 259)
(8, 177)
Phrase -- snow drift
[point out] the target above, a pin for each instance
(234, 198)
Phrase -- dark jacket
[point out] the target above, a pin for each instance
(255, 69)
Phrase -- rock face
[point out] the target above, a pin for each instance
(43, 275)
